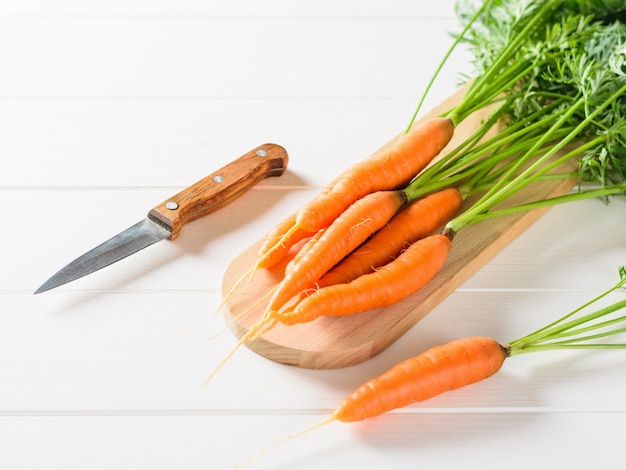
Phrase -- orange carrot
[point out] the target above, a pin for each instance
(276, 233)
(279, 241)
(395, 281)
(418, 220)
(300, 254)
(437, 370)
(389, 168)
(348, 231)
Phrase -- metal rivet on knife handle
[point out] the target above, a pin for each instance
(235, 178)
(171, 206)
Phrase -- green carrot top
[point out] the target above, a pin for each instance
(578, 329)
(555, 73)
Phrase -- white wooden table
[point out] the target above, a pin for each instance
(107, 108)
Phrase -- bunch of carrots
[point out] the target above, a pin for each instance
(553, 74)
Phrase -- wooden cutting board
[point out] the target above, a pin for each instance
(335, 342)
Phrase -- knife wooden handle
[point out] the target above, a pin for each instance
(220, 187)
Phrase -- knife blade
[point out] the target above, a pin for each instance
(166, 220)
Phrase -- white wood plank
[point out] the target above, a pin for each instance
(125, 96)
(217, 58)
(432, 440)
(236, 8)
(161, 142)
(150, 352)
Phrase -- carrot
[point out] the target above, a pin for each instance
(348, 231)
(418, 220)
(445, 367)
(304, 249)
(276, 233)
(279, 241)
(389, 168)
(402, 277)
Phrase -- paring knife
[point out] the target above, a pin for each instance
(167, 219)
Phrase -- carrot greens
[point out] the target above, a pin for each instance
(575, 330)
(554, 73)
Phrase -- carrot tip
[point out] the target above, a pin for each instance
(276, 252)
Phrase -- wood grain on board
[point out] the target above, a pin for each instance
(334, 342)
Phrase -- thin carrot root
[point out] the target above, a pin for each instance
(284, 440)
(264, 330)
(245, 277)
(249, 336)
(243, 313)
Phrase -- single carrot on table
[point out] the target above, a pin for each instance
(440, 369)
